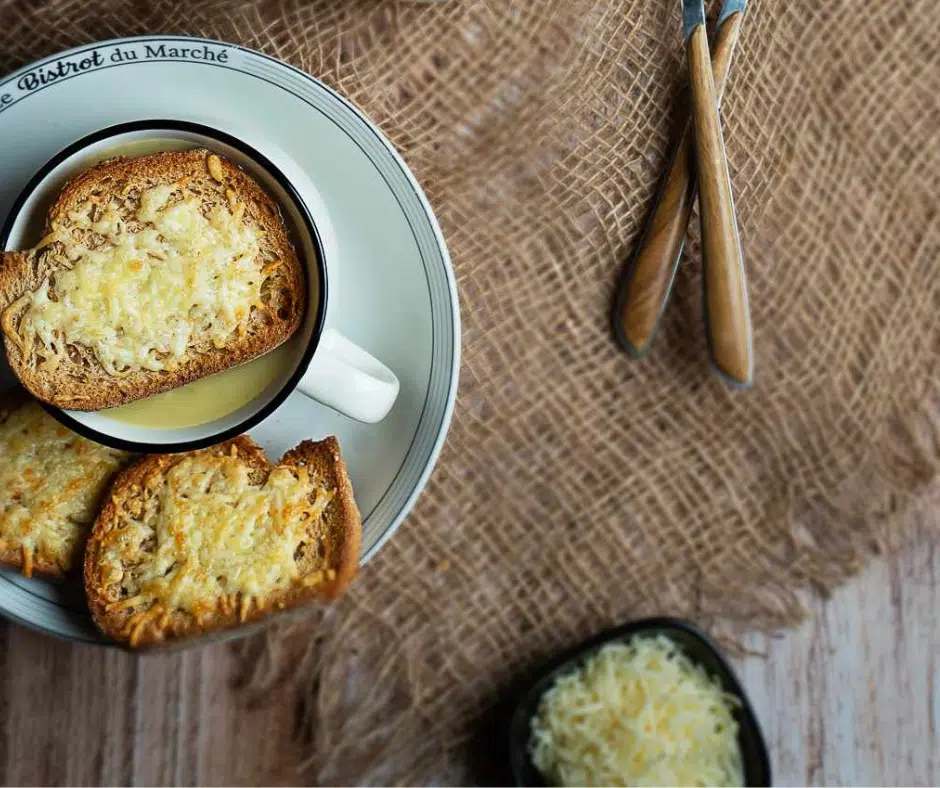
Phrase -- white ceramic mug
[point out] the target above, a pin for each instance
(319, 361)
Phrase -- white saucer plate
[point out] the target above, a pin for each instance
(395, 293)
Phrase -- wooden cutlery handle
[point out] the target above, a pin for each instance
(726, 305)
(644, 289)
(726, 39)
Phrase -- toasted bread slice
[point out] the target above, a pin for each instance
(154, 271)
(204, 541)
(51, 483)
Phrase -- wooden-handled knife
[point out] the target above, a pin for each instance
(644, 289)
(726, 306)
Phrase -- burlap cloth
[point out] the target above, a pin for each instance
(579, 488)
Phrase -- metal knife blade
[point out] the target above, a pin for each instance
(730, 8)
(693, 15)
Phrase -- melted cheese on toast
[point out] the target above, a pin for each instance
(154, 287)
(208, 538)
(51, 481)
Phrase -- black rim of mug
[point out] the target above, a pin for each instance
(144, 447)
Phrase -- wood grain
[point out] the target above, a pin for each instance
(726, 303)
(82, 715)
(644, 290)
(851, 698)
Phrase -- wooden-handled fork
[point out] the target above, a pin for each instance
(644, 289)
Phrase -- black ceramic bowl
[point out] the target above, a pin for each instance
(696, 645)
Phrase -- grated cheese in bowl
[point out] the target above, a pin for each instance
(637, 713)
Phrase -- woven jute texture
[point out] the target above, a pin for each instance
(579, 488)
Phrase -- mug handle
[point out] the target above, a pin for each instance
(346, 378)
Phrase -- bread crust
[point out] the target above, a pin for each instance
(343, 542)
(81, 382)
(342, 515)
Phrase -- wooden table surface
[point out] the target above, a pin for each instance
(851, 697)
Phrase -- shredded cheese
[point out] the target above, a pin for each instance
(153, 288)
(50, 484)
(638, 713)
(209, 539)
